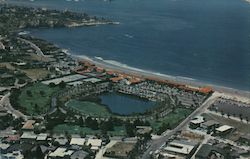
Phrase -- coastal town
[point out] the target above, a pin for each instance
(50, 104)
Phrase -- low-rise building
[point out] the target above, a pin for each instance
(42, 137)
(61, 140)
(77, 141)
(3, 148)
(79, 155)
(182, 148)
(210, 125)
(29, 125)
(196, 122)
(224, 130)
(95, 144)
(30, 136)
(60, 153)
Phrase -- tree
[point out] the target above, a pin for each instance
(38, 153)
(62, 84)
(130, 129)
(107, 126)
(240, 115)
(93, 124)
(52, 84)
(29, 93)
(42, 93)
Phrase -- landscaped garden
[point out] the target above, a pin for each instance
(35, 99)
(75, 129)
(88, 108)
(171, 120)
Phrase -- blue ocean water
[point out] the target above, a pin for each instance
(207, 40)
(125, 104)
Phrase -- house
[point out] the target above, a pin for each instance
(3, 148)
(61, 140)
(42, 137)
(12, 138)
(28, 126)
(13, 155)
(95, 144)
(79, 154)
(60, 153)
(77, 141)
(30, 136)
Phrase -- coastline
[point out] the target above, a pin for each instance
(226, 92)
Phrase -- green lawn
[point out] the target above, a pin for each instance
(173, 118)
(75, 129)
(38, 100)
(89, 108)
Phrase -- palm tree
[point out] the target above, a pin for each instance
(240, 115)
(222, 112)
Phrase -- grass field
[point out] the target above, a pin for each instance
(39, 100)
(173, 118)
(89, 108)
(75, 129)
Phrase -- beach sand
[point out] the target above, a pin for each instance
(231, 93)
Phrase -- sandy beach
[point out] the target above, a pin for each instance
(226, 92)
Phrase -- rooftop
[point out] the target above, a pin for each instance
(94, 142)
(61, 152)
(28, 135)
(181, 147)
(77, 141)
(92, 80)
(29, 125)
(224, 128)
(42, 137)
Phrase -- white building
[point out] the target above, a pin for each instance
(77, 141)
(95, 144)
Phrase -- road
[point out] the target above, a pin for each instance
(38, 50)
(158, 143)
(5, 102)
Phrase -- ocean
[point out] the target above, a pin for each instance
(203, 40)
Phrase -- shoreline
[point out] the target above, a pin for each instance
(227, 92)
